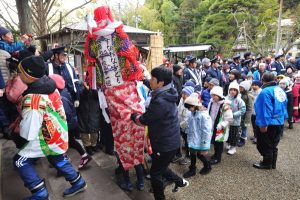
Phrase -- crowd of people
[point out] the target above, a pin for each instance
(44, 107)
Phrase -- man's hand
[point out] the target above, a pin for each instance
(263, 129)
(76, 104)
(133, 116)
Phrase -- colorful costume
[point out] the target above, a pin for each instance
(112, 63)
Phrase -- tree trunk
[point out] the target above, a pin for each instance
(24, 15)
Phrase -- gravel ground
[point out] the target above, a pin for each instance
(235, 178)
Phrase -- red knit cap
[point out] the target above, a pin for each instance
(59, 80)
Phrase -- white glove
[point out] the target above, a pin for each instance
(76, 104)
(219, 127)
(1, 92)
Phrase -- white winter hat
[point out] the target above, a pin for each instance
(217, 90)
(193, 100)
(234, 85)
(246, 85)
(286, 81)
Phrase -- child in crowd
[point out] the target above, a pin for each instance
(285, 85)
(183, 114)
(71, 119)
(44, 130)
(199, 135)
(246, 118)
(256, 89)
(88, 114)
(238, 109)
(205, 95)
(296, 94)
(221, 116)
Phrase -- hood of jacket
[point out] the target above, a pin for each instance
(167, 92)
(44, 85)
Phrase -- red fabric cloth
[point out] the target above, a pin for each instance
(129, 138)
(296, 94)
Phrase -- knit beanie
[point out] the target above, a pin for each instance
(285, 81)
(189, 83)
(193, 100)
(234, 85)
(217, 90)
(246, 85)
(214, 82)
(188, 90)
(256, 82)
(59, 81)
(3, 30)
(33, 67)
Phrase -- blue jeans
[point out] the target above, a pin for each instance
(29, 175)
(244, 133)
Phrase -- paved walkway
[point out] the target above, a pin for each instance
(234, 178)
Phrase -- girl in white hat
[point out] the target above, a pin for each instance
(221, 116)
(199, 135)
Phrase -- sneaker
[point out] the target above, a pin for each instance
(254, 141)
(184, 161)
(84, 161)
(185, 183)
(127, 186)
(189, 173)
(78, 186)
(205, 170)
(228, 147)
(231, 151)
(140, 186)
(89, 150)
(42, 194)
(242, 142)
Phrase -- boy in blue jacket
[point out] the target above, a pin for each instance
(161, 117)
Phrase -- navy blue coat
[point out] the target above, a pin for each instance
(297, 64)
(276, 66)
(205, 96)
(69, 109)
(161, 117)
(235, 66)
(215, 74)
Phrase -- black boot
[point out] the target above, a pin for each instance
(265, 164)
(207, 167)
(274, 160)
(291, 125)
(190, 173)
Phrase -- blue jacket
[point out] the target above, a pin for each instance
(69, 109)
(161, 117)
(297, 64)
(236, 66)
(257, 75)
(200, 130)
(215, 74)
(11, 47)
(205, 97)
(277, 67)
(270, 106)
(2, 82)
(238, 108)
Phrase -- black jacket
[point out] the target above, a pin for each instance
(162, 119)
(88, 112)
(177, 82)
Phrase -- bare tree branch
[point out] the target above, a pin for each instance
(6, 6)
(52, 16)
(11, 26)
(48, 9)
(69, 12)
